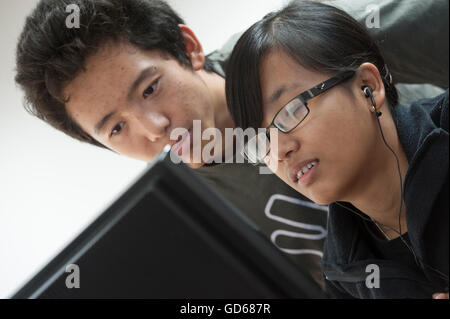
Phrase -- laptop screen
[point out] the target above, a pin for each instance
(170, 236)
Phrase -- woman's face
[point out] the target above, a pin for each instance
(338, 136)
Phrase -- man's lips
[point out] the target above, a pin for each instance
(293, 171)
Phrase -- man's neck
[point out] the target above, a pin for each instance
(222, 117)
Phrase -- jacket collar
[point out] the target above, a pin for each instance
(423, 133)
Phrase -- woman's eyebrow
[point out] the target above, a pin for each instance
(276, 94)
(279, 92)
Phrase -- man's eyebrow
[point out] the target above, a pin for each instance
(148, 72)
(101, 124)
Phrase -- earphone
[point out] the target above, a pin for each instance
(368, 93)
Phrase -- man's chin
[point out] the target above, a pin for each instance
(194, 165)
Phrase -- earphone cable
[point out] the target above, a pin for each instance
(399, 232)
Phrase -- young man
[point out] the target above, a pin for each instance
(131, 74)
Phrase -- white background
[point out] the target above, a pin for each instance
(52, 187)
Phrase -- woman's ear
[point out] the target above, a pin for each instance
(369, 76)
(194, 49)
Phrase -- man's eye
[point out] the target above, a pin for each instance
(117, 129)
(148, 91)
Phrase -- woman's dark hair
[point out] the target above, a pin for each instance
(318, 36)
(50, 55)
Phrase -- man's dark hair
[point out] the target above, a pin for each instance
(318, 36)
(50, 55)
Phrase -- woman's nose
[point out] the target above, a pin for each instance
(284, 145)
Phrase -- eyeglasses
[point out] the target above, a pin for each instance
(289, 117)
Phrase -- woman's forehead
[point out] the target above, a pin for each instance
(280, 73)
(281, 79)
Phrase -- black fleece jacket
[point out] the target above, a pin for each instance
(350, 247)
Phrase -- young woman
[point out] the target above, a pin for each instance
(317, 81)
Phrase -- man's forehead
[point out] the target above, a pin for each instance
(107, 74)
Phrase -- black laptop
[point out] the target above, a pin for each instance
(170, 236)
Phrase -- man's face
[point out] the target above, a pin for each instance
(144, 96)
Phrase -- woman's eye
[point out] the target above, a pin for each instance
(117, 129)
(149, 91)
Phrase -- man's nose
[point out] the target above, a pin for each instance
(155, 124)
(284, 145)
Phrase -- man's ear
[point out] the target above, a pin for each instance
(368, 75)
(194, 48)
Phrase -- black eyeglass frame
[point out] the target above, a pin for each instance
(309, 94)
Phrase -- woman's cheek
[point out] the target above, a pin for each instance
(281, 174)
(277, 168)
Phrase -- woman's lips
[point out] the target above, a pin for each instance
(303, 172)
(307, 177)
